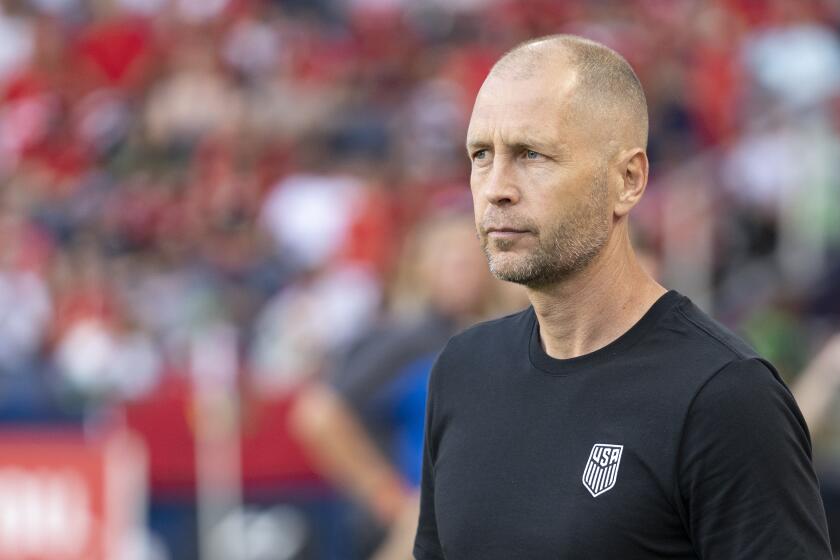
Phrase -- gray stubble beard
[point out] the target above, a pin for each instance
(567, 249)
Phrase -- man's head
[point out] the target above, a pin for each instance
(557, 142)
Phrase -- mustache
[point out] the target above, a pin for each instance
(506, 221)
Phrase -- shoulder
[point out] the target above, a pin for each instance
(492, 334)
(484, 344)
(688, 347)
(742, 387)
(715, 335)
(744, 406)
(687, 350)
(381, 354)
(747, 392)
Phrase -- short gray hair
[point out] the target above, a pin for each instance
(604, 76)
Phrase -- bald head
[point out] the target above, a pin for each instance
(602, 86)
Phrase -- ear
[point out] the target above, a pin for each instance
(634, 170)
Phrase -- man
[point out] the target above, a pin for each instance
(611, 419)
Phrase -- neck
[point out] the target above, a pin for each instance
(591, 308)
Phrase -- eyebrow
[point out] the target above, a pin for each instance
(475, 145)
(520, 142)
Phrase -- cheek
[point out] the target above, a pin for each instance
(562, 189)
(476, 181)
(478, 202)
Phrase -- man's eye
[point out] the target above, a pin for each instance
(480, 154)
(531, 154)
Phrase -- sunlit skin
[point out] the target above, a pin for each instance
(540, 192)
(553, 182)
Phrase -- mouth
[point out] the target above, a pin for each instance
(510, 234)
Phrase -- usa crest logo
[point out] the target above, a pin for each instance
(601, 469)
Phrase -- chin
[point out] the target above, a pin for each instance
(529, 270)
(509, 268)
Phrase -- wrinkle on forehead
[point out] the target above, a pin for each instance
(539, 111)
(558, 81)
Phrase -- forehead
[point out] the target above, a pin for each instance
(536, 105)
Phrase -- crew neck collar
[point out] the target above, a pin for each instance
(544, 362)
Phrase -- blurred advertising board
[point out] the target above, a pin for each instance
(65, 496)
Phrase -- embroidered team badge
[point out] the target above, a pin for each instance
(602, 468)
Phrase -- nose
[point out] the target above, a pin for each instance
(500, 187)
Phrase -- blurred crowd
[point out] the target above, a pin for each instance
(293, 171)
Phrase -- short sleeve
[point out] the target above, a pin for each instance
(377, 359)
(369, 364)
(746, 483)
(427, 544)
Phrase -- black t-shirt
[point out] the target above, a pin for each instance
(674, 441)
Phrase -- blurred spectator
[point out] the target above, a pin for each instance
(196, 98)
(25, 302)
(364, 425)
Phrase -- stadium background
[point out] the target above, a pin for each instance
(204, 202)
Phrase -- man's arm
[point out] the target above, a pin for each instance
(346, 455)
(817, 386)
(745, 479)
